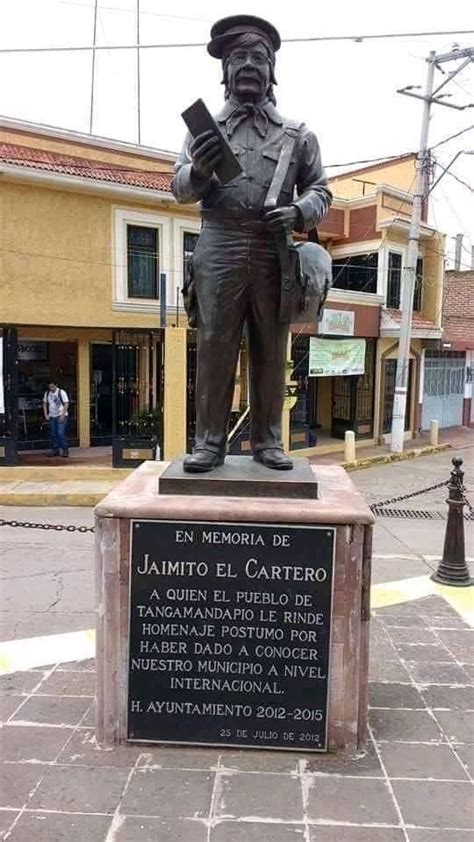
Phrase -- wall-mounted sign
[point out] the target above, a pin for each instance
(32, 350)
(339, 322)
(291, 395)
(336, 357)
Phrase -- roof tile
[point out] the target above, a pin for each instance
(42, 159)
(417, 321)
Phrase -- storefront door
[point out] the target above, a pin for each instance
(303, 414)
(137, 396)
(443, 394)
(353, 399)
(8, 395)
(39, 363)
(101, 394)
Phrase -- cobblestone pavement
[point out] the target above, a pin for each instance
(412, 783)
(384, 481)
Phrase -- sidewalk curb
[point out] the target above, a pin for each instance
(57, 473)
(386, 458)
(36, 498)
(91, 498)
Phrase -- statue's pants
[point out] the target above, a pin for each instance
(236, 275)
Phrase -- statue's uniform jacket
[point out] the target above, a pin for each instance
(236, 273)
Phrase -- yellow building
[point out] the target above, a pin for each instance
(93, 248)
(87, 230)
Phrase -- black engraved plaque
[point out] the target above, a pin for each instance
(229, 634)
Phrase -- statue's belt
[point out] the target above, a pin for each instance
(244, 219)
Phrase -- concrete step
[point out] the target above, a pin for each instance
(86, 485)
(57, 485)
(63, 493)
(59, 473)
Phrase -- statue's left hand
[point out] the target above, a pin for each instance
(282, 219)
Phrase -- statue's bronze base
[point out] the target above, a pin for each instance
(240, 476)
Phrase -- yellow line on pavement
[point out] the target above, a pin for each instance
(407, 590)
(461, 599)
(403, 590)
(31, 652)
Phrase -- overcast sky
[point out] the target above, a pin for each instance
(345, 91)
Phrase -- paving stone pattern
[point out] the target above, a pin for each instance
(412, 783)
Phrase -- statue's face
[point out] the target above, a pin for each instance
(249, 72)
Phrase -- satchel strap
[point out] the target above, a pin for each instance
(284, 243)
(292, 129)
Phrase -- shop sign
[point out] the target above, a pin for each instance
(2, 398)
(340, 322)
(333, 357)
(291, 396)
(32, 350)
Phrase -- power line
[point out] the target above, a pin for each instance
(456, 177)
(142, 12)
(461, 223)
(460, 180)
(359, 38)
(452, 136)
(462, 88)
(371, 160)
(117, 168)
(192, 44)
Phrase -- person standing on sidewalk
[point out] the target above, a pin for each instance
(55, 408)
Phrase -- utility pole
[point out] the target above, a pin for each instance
(409, 270)
(408, 276)
(139, 116)
(458, 252)
(94, 45)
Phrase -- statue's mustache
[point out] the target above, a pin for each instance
(248, 74)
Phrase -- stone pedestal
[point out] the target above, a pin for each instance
(339, 508)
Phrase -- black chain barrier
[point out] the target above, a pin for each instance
(58, 527)
(407, 496)
(376, 508)
(466, 501)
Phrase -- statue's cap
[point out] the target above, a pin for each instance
(227, 28)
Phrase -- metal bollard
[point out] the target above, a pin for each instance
(452, 569)
(349, 447)
(434, 433)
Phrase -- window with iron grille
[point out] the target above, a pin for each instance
(417, 297)
(394, 280)
(142, 261)
(357, 273)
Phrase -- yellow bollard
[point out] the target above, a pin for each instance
(349, 446)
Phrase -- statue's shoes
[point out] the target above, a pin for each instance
(201, 461)
(274, 458)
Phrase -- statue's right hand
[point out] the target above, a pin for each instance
(206, 152)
